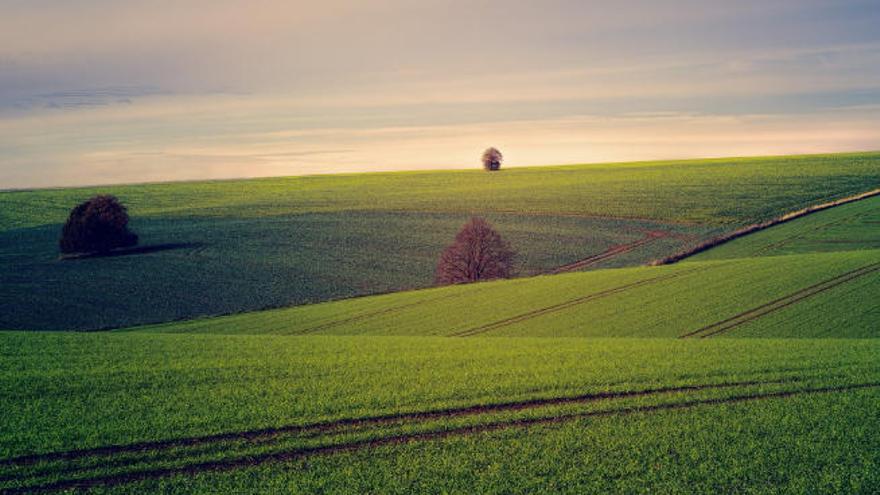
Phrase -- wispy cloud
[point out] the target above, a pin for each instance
(113, 91)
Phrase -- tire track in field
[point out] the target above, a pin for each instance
(114, 456)
(142, 447)
(809, 231)
(783, 302)
(574, 302)
(387, 310)
(650, 237)
(302, 453)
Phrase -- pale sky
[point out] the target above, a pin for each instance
(109, 91)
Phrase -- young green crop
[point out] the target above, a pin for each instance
(852, 226)
(66, 391)
(717, 191)
(253, 244)
(834, 292)
(822, 443)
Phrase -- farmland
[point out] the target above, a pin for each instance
(751, 367)
(209, 403)
(849, 227)
(668, 301)
(261, 243)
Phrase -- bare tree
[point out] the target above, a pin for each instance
(97, 226)
(492, 159)
(478, 253)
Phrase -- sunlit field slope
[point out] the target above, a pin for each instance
(214, 413)
(814, 295)
(252, 244)
(853, 226)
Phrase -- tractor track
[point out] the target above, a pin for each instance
(142, 447)
(780, 303)
(650, 237)
(573, 302)
(379, 312)
(302, 453)
(799, 236)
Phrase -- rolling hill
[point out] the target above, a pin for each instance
(254, 244)
(817, 292)
(607, 380)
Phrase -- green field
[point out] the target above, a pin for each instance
(849, 227)
(813, 295)
(749, 368)
(237, 401)
(261, 243)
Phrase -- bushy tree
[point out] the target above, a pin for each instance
(492, 159)
(97, 226)
(478, 253)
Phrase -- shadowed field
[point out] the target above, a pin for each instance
(289, 241)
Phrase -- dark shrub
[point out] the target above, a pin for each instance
(492, 159)
(97, 226)
(478, 253)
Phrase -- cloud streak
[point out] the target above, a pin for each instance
(153, 89)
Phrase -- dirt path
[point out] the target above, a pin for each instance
(301, 453)
(782, 302)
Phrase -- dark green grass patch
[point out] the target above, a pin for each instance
(232, 265)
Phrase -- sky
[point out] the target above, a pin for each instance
(104, 91)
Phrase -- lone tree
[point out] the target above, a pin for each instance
(492, 159)
(97, 226)
(478, 253)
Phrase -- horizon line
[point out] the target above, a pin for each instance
(476, 168)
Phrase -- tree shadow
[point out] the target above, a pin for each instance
(151, 248)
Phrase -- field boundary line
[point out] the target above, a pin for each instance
(297, 454)
(750, 229)
(780, 303)
(572, 302)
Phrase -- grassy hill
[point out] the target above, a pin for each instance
(584, 387)
(849, 227)
(773, 297)
(827, 289)
(253, 244)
